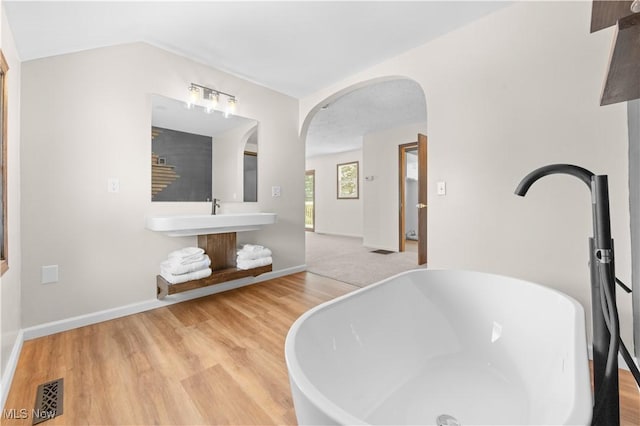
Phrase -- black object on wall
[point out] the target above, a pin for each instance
(191, 156)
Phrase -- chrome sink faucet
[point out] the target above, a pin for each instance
(215, 205)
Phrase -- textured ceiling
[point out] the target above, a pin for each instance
(341, 126)
(295, 47)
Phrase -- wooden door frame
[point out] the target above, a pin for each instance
(423, 189)
(422, 195)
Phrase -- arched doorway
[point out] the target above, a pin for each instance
(363, 126)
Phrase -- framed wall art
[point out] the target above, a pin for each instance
(347, 176)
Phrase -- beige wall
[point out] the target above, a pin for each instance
(381, 195)
(10, 308)
(333, 216)
(508, 93)
(87, 117)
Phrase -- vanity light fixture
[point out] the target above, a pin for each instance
(213, 101)
(231, 107)
(210, 98)
(194, 94)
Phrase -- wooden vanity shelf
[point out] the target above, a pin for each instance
(217, 277)
(221, 249)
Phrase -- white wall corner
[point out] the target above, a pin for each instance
(12, 363)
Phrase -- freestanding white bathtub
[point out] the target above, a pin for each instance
(442, 347)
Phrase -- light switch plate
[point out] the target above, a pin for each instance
(442, 188)
(275, 191)
(49, 274)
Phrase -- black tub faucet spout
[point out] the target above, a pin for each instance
(606, 331)
(567, 169)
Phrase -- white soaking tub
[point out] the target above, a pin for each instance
(442, 347)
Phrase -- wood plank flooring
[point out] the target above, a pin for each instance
(213, 360)
(629, 400)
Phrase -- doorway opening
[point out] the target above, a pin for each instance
(408, 197)
(250, 166)
(365, 123)
(250, 176)
(412, 179)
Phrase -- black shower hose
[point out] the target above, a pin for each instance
(610, 314)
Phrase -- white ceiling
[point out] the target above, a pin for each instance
(341, 126)
(295, 47)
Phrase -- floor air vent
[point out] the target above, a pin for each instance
(382, 251)
(48, 401)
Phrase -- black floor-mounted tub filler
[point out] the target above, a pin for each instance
(606, 329)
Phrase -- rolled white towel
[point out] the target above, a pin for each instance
(177, 269)
(177, 279)
(251, 247)
(243, 255)
(180, 261)
(254, 263)
(186, 252)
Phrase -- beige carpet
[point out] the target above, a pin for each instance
(345, 259)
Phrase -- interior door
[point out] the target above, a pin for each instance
(422, 199)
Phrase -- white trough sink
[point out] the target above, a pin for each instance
(202, 224)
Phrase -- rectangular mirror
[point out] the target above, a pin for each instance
(198, 155)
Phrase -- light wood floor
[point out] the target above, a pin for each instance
(629, 400)
(214, 360)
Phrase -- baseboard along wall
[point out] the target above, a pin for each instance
(53, 327)
(12, 363)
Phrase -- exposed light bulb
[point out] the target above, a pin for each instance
(194, 94)
(209, 99)
(213, 101)
(231, 107)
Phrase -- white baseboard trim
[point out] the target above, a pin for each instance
(365, 244)
(134, 308)
(334, 234)
(12, 363)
